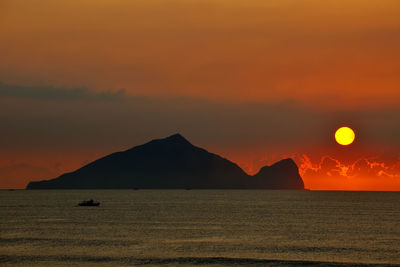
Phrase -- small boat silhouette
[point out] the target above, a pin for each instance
(88, 203)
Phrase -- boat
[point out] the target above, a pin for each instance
(90, 203)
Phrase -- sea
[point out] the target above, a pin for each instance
(199, 228)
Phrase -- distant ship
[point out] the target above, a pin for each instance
(89, 203)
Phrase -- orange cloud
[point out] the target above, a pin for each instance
(363, 174)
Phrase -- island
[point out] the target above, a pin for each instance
(172, 163)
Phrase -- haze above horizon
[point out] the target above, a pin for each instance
(254, 81)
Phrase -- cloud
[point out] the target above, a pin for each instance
(308, 50)
(49, 92)
(328, 166)
(131, 119)
(363, 167)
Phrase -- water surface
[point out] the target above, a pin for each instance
(197, 227)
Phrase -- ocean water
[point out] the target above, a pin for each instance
(199, 227)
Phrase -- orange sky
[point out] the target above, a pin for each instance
(252, 80)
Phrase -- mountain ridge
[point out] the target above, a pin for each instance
(172, 163)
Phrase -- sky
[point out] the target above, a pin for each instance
(253, 81)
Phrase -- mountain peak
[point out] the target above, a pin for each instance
(176, 138)
(286, 172)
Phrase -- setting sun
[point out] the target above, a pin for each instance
(344, 136)
(212, 132)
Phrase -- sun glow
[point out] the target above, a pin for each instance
(344, 136)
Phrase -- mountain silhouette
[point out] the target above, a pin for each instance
(172, 163)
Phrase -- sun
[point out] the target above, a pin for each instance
(345, 136)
